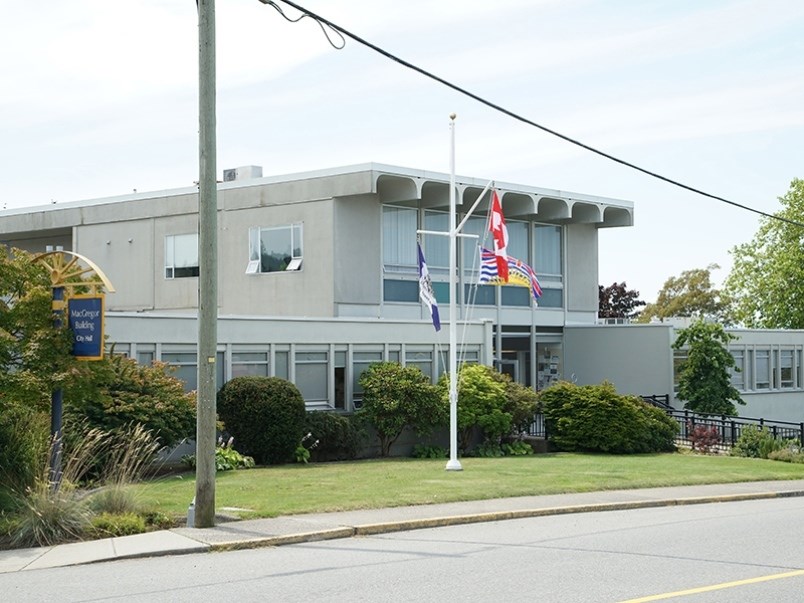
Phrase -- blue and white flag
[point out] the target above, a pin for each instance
(426, 292)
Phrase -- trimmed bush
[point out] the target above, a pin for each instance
(265, 414)
(338, 436)
(596, 418)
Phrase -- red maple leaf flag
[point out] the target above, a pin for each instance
(499, 233)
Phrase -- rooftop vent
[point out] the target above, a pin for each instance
(242, 173)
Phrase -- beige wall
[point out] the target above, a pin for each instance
(125, 253)
(582, 274)
(307, 292)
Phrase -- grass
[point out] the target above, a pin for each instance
(294, 489)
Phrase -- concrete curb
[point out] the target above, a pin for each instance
(301, 529)
(451, 520)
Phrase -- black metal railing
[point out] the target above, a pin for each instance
(728, 429)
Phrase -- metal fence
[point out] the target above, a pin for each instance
(727, 429)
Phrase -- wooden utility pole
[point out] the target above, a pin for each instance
(204, 515)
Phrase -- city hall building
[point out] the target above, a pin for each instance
(318, 279)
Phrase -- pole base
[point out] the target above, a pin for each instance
(454, 465)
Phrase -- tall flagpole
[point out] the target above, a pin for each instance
(453, 464)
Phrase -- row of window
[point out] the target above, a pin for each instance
(539, 245)
(328, 377)
(760, 369)
(275, 249)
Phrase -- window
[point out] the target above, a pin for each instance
(786, 369)
(436, 247)
(738, 370)
(763, 369)
(422, 360)
(187, 368)
(275, 249)
(679, 358)
(181, 256)
(361, 361)
(311, 375)
(399, 240)
(249, 364)
(547, 253)
(469, 245)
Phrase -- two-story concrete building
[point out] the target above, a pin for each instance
(318, 274)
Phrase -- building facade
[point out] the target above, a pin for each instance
(318, 274)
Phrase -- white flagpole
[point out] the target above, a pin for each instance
(453, 464)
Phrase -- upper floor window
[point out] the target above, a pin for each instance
(181, 255)
(547, 253)
(399, 226)
(275, 249)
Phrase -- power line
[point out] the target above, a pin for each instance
(337, 28)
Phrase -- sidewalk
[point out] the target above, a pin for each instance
(325, 526)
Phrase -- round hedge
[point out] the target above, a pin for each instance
(265, 415)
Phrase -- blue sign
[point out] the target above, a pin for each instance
(85, 320)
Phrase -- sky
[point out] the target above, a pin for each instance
(99, 101)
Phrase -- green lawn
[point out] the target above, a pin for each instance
(292, 489)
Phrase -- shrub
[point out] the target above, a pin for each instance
(521, 402)
(516, 448)
(423, 451)
(757, 443)
(482, 400)
(226, 457)
(395, 397)
(131, 393)
(266, 413)
(789, 454)
(107, 525)
(339, 437)
(703, 437)
(597, 418)
(24, 435)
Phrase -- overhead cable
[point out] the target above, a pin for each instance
(344, 32)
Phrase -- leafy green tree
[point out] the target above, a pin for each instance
(689, 295)
(482, 400)
(704, 379)
(395, 397)
(616, 301)
(767, 277)
(34, 361)
(34, 356)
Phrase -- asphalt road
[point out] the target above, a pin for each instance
(739, 551)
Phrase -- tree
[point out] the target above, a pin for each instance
(34, 356)
(689, 295)
(395, 397)
(615, 301)
(704, 379)
(482, 400)
(767, 277)
(34, 360)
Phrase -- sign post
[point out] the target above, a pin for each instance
(85, 320)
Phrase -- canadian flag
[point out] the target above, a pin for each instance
(499, 233)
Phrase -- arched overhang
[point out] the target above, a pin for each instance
(431, 191)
